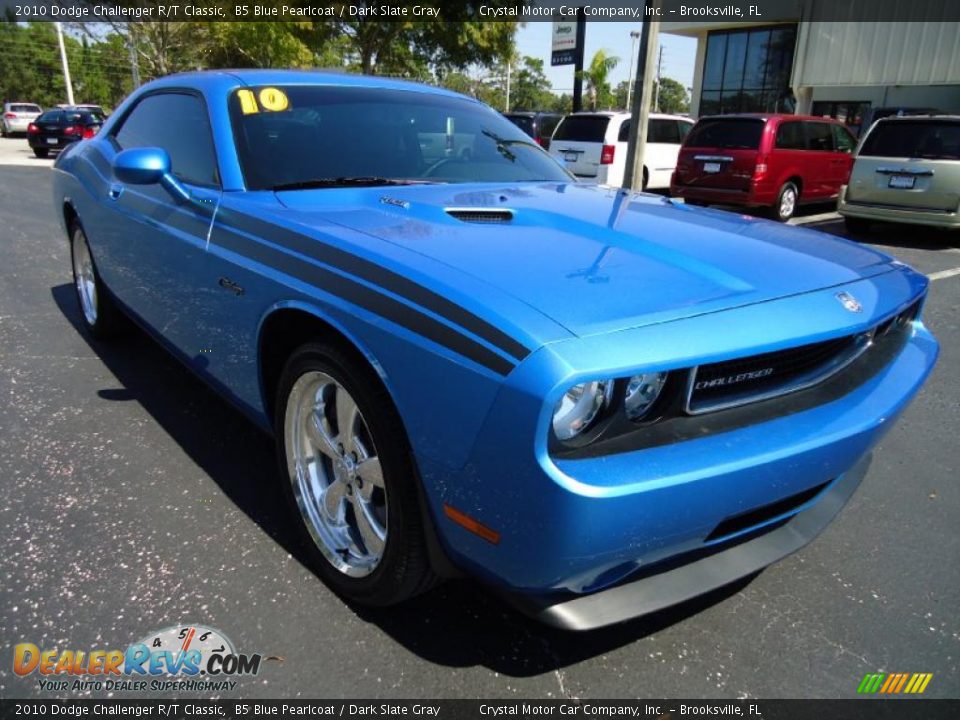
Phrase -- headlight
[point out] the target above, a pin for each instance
(642, 393)
(579, 407)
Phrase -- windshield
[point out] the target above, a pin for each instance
(913, 139)
(726, 133)
(24, 109)
(296, 137)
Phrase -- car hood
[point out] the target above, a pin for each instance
(593, 259)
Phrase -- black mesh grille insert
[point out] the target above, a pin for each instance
(743, 379)
(482, 216)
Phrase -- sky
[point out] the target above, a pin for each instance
(679, 53)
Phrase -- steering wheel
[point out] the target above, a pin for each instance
(464, 155)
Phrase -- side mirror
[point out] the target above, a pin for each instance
(146, 166)
(141, 166)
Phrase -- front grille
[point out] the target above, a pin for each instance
(734, 382)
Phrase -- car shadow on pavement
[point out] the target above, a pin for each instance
(899, 236)
(458, 624)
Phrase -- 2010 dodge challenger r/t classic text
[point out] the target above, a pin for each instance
(599, 403)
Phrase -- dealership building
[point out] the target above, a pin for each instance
(793, 62)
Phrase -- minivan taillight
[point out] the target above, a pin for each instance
(32, 129)
(760, 169)
(606, 154)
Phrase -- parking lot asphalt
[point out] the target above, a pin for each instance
(132, 499)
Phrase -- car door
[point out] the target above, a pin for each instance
(819, 162)
(155, 243)
(844, 144)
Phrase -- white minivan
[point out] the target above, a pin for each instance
(593, 146)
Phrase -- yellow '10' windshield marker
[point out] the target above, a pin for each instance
(274, 99)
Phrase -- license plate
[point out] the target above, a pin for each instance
(905, 182)
(711, 167)
(52, 141)
(570, 156)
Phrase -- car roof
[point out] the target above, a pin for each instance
(770, 116)
(213, 80)
(625, 114)
(920, 118)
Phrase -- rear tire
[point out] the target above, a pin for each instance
(362, 528)
(41, 152)
(856, 226)
(786, 204)
(98, 311)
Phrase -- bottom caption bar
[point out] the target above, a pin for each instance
(854, 709)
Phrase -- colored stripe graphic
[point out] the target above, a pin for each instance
(894, 683)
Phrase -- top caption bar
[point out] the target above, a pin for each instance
(629, 11)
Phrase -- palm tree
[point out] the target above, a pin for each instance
(596, 76)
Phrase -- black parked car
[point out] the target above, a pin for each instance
(55, 129)
(538, 125)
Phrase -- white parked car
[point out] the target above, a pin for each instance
(593, 146)
(17, 116)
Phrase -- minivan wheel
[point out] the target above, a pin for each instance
(786, 202)
(348, 477)
(856, 226)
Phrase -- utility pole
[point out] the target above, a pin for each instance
(578, 61)
(656, 101)
(633, 51)
(507, 107)
(134, 65)
(66, 66)
(640, 108)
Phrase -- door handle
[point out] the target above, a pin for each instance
(115, 192)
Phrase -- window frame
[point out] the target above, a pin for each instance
(118, 126)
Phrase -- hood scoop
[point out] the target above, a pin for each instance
(485, 216)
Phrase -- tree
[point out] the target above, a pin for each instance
(673, 97)
(598, 86)
(256, 44)
(530, 87)
(412, 47)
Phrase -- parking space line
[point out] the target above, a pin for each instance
(810, 219)
(940, 275)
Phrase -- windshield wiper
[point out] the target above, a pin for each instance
(357, 181)
(502, 144)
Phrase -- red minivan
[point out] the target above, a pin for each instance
(770, 161)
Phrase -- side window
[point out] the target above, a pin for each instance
(842, 139)
(819, 136)
(176, 122)
(663, 131)
(624, 135)
(790, 136)
(684, 128)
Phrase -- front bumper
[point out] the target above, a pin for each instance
(577, 526)
(664, 586)
(890, 213)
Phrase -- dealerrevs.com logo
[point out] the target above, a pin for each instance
(183, 657)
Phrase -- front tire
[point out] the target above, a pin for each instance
(787, 200)
(349, 477)
(100, 315)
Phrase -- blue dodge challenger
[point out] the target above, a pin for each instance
(600, 403)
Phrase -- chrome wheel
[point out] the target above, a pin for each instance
(84, 277)
(788, 202)
(336, 474)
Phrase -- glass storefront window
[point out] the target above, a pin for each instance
(748, 70)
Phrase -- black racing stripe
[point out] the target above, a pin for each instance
(376, 275)
(362, 296)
